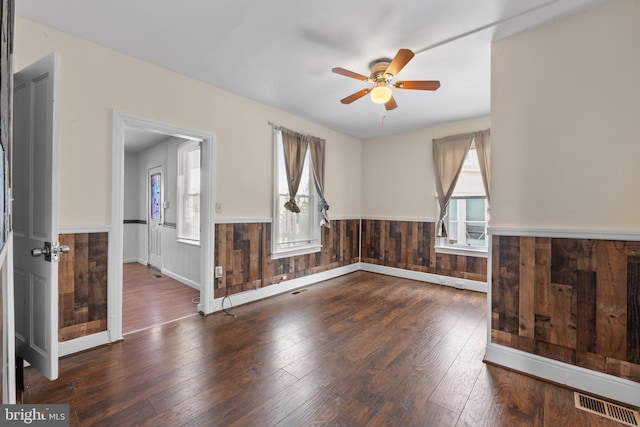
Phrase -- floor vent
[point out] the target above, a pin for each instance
(608, 410)
(298, 291)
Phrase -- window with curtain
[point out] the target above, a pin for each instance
(468, 211)
(462, 171)
(188, 192)
(296, 219)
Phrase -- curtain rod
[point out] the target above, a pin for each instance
(277, 126)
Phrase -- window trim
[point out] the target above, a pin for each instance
(465, 250)
(182, 149)
(300, 250)
(315, 244)
(444, 248)
(187, 241)
(462, 250)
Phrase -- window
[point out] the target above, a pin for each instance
(468, 211)
(156, 196)
(293, 233)
(188, 196)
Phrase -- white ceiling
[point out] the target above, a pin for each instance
(136, 140)
(281, 52)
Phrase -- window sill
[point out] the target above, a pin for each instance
(286, 253)
(188, 242)
(460, 250)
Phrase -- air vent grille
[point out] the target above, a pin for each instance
(608, 410)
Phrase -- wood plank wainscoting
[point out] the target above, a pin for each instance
(573, 300)
(410, 245)
(244, 252)
(82, 284)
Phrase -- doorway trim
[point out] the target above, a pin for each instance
(121, 121)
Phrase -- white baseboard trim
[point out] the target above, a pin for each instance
(592, 382)
(83, 343)
(231, 220)
(395, 218)
(74, 229)
(132, 260)
(181, 279)
(437, 279)
(282, 287)
(560, 233)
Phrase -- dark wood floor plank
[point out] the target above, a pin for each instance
(329, 409)
(359, 350)
(252, 395)
(280, 406)
(457, 384)
(504, 398)
(558, 415)
(430, 414)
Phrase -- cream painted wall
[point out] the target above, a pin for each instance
(566, 123)
(96, 80)
(397, 172)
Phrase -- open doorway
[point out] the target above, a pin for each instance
(160, 275)
(141, 147)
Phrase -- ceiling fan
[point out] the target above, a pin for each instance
(383, 71)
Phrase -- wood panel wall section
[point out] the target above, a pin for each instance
(244, 252)
(82, 284)
(410, 245)
(572, 300)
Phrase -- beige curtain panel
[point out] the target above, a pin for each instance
(316, 145)
(295, 150)
(448, 157)
(483, 149)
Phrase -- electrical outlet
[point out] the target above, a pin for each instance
(218, 272)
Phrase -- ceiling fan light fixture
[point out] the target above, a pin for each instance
(381, 94)
(383, 71)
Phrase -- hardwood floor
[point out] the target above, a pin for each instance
(150, 298)
(360, 350)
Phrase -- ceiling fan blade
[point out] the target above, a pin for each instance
(342, 71)
(418, 84)
(399, 61)
(390, 104)
(355, 96)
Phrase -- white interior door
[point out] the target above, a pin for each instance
(155, 216)
(35, 213)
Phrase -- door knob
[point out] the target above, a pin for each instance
(46, 251)
(36, 252)
(50, 251)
